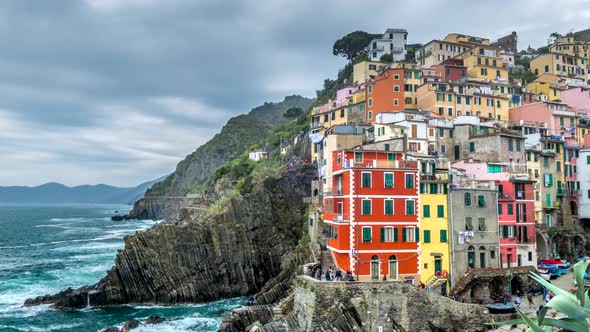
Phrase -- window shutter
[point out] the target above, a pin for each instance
(395, 235)
(335, 232)
(443, 235)
(417, 230)
(404, 235)
(441, 211)
(505, 231)
(426, 211)
(382, 234)
(426, 236)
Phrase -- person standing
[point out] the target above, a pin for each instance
(529, 298)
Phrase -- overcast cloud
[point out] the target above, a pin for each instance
(119, 91)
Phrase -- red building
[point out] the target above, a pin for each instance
(451, 70)
(516, 219)
(385, 93)
(372, 214)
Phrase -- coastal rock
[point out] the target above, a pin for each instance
(130, 325)
(233, 252)
(154, 320)
(111, 329)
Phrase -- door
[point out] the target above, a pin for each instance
(340, 208)
(375, 268)
(508, 259)
(393, 267)
(437, 265)
(519, 260)
(456, 152)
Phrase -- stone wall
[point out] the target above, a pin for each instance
(491, 284)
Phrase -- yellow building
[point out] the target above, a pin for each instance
(568, 45)
(471, 98)
(434, 242)
(549, 85)
(460, 38)
(365, 70)
(484, 63)
(561, 65)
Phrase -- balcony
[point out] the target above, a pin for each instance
(573, 192)
(381, 164)
(443, 177)
(341, 217)
(316, 125)
(333, 192)
(397, 50)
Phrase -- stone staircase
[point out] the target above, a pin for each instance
(283, 306)
(327, 260)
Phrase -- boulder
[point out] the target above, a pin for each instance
(154, 320)
(130, 325)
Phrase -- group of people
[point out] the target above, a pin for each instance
(331, 275)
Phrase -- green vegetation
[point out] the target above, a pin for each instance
(239, 133)
(331, 86)
(352, 44)
(387, 57)
(583, 35)
(575, 307)
(525, 76)
(293, 112)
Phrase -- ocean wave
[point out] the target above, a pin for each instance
(191, 323)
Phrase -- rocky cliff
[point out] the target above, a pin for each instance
(213, 252)
(351, 306)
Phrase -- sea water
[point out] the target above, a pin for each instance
(46, 248)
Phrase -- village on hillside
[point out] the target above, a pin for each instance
(459, 165)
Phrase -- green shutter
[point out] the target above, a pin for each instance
(410, 207)
(445, 189)
(499, 208)
(390, 156)
(505, 231)
(366, 234)
(404, 235)
(426, 211)
(467, 197)
(388, 180)
(587, 159)
(366, 180)
(386, 146)
(388, 206)
(382, 234)
(426, 236)
(440, 211)
(330, 231)
(481, 200)
(366, 207)
(510, 209)
(395, 235)
(423, 166)
(443, 235)
(417, 232)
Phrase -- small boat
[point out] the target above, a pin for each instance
(501, 308)
(559, 263)
(550, 268)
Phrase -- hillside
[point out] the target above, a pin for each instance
(583, 35)
(57, 193)
(236, 137)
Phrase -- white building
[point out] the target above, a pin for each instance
(583, 167)
(392, 42)
(258, 155)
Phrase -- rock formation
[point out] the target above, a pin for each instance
(351, 306)
(229, 253)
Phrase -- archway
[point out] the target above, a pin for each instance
(498, 287)
(579, 246)
(542, 246)
(477, 293)
(375, 267)
(517, 286)
(392, 267)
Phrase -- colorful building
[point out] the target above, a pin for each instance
(434, 223)
(372, 213)
(484, 63)
(385, 93)
(568, 45)
(561, 65)
(393, 41)
(365, 70)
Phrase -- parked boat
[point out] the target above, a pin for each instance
(550, 268)
(501, 308)
(559, 263)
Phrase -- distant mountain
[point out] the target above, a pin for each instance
(52, 192)
(583, 35)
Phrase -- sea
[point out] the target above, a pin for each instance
(47, 248)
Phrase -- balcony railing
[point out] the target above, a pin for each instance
(315, 125)
(381, 164)
(341, 217)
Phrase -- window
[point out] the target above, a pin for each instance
(510, 209)
(443, 235)
(467, 198)
(372, 67)
(588, 160)
(370, 114)
(410, 234)
(471, 257)
(517, 145)
(510, 144)
(388, 177)
(370, 89)
(458, 98)
(440, 211)
(450, 109)
(545, 162)
(492, 254)
(409, 207)
(396, 77)
(391, 156)
(388, 234)
(426, 211)
(366, 183)
(389, 206)
(366, 206)
(370, 102)
(471, 146)
(342, 113)
(427, 236)
(395, 101)
(396, 88)
(449, 97)
(409, 180)
(500, 209)
(468, 224)
(358, 157)
(441, 133)
(481, 200)
(367, 236)
(481, 223)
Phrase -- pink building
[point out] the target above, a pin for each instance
(577, 98)
(516, 212)
(556, 117)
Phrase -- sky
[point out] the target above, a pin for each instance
(119, 91)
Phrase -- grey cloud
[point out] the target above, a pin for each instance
(118, 91)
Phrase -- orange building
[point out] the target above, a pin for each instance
(372, 215)
(385, 93)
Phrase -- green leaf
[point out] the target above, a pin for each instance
(579, 270)
(556, 290)
(541, 314)
(530, 322)
(506, 322)
(567, 324)
(569, 307)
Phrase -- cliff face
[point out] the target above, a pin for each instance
(350, 306)
(230, 253)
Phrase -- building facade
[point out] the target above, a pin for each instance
(393, 41)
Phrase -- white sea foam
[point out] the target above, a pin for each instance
(182, 324)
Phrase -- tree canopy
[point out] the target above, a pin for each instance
(293, 112)
(352, 44)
